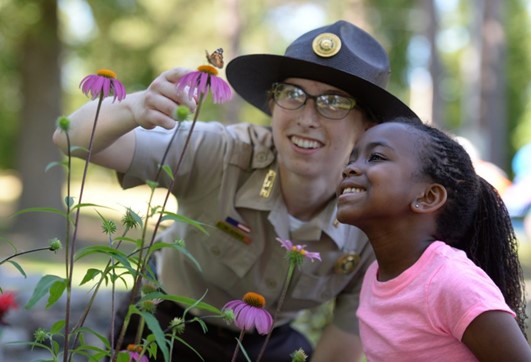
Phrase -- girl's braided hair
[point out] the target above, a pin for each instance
(474, 218)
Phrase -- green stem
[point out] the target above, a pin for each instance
(23, 253)
(172, 340)
(70, 259)
(84, 316)
(287, 283)
(140, 330)
(143, 262)
(237, 349)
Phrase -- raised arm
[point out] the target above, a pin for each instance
(114, 141)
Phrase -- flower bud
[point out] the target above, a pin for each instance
(55, 244)
(181, 113)
(298, 356)
(63, 123)
(177, 325)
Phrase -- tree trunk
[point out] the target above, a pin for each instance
(232, 32)
(435, 67)
(492, 108)
(484, 104)
(41, 105)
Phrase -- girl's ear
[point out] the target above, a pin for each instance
(433, 198)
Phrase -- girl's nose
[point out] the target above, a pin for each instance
(351, 170)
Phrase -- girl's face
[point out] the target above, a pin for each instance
(310, 145)
(381, 180)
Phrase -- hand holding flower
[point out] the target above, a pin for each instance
(159, 101)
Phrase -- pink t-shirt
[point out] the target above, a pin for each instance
(421, 315)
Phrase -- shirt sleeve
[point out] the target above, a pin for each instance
(472, 293)
(207, 146)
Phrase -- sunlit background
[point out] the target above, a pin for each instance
(463, 65)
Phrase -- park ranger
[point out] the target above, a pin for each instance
(252, 184)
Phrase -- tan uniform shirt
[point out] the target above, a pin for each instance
(226, 173)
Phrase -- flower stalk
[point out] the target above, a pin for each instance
(198, 84)
(99, 85)
(296, 254)
(249, 313)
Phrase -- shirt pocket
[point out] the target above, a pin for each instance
(319, 288)
(223, 258)
(319, 282)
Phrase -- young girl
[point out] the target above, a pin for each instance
(446, 284)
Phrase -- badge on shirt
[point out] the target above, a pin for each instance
(346, 263)
(235, 229)
(267, 186)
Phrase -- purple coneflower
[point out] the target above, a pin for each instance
(200, 81)
(249, 313)
(104, 83)
(135, 352)
(297, 253)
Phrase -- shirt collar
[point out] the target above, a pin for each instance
(248, 196)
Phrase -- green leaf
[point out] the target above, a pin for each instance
(90, 275)
(91, 205)
(56, 292)
(167, 169)
(123, 357)
(189, 346)
(41, 289)
(57, 327)
(190, 302)
(40, 209)
(154, 327)
(51, 165)
(56, 347)
(107, 250)
(160, 245)
(152, 184)
(180, 218)
(131, 217)
(201, 323)
(69, 201)
(243, 350)
(128, 239)
(103, 339)
(75, 148)
(18, 267)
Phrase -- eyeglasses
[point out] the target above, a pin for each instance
(331, 106)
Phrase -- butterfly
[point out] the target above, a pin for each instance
(216, 58)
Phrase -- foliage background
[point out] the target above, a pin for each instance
(463, 65)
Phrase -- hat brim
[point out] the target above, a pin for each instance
(251, 76)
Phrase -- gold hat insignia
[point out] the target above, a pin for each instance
(326, 45)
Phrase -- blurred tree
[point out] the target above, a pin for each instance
(40, 90)
(518, 73)
(140, 38)
(9, 82)
(435, 66)
(493, 112)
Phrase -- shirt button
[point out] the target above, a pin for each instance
(262, 156)
(215, 251)
(271, 283)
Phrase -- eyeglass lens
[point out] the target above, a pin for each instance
(332, 106)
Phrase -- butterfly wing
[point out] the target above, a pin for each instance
(216, 58)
